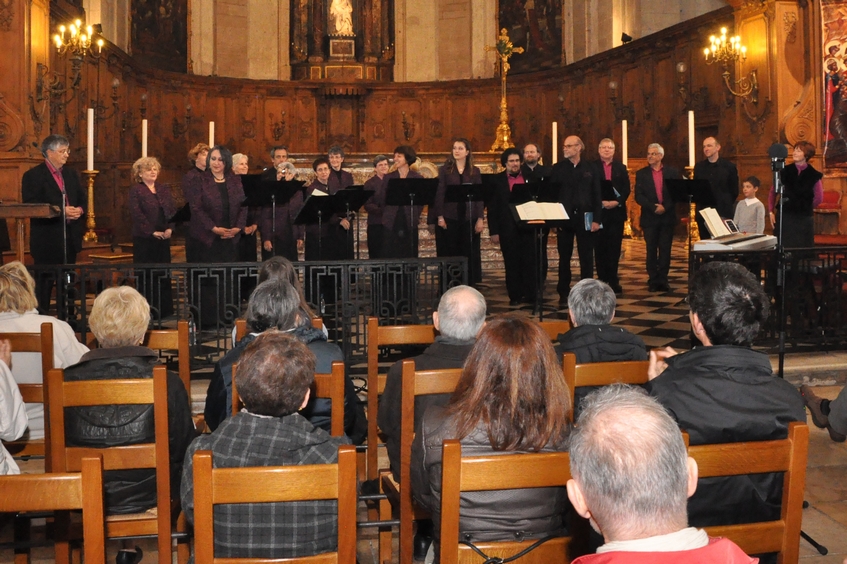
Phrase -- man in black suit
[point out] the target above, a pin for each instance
(658, 215)
(579, 193)
(55, 240)
(723, 180)
(607, 250)
(516, 242)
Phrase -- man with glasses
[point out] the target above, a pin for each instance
(658, 216)
(579, 193)
(54, 240)
(615, 189)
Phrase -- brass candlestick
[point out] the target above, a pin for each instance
(90, 236)
(505, 50)
(693, 229)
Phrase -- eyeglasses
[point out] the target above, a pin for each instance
(65, 151)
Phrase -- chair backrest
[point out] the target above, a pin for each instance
(501, 472)
(137, 391)
(63, 491)
(602, 373)
(241, 326)
(329, 386)
(215, 486)
(34, 393)
(555, 327)
(382, 336)
(788, 455)
(177, 340)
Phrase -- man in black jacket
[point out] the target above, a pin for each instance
(614, 190)
(726, 392)
(579, 192)
(54, 240)
(723, 181)
(533, 171)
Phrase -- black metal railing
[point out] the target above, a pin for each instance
(213, 296)
(815, 303)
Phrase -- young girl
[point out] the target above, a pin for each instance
(750, 212)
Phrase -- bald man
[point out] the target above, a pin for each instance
(723, 179)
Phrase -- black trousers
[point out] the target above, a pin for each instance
(519, 250)
(44, 283)
(607, 251)
(585, 248)
(658, 239)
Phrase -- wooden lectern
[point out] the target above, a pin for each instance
(20, 212)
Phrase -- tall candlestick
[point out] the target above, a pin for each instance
(691, 138)
(143, 138)
(555, 142)
(90, 162)
(211, 134)
(624, 143)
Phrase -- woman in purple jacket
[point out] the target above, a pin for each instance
(151, 207)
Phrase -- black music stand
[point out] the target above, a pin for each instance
(262, 192)
(316, 209)
(349, 201)
(412, 192)
(468, 194)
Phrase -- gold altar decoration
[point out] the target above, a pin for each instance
(693, 229)
(90, 236)
(505, 50)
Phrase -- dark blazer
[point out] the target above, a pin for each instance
(39, 187)
(285, 215)
(191, 183)
(144, 208)
(335, 184)
(328, 225)
(389, 213)
(450, 210)
(207, 208)
(579, 189)
(723, 180)
(620, 180)
(534, 174)
(645, 196)
(500, 219)
(374, 206)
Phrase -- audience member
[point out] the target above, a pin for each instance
(511, 397)
(274, 374)
(12, 410)
(275, 304)
(119, 319)
(726, 392)
(631, 477)
(828, 414)
(592, 338)
(19, 314)
(460, 316)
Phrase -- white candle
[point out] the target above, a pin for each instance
(691, 138)
(90, 163)
(143, 138)
(211, 134)
(555, 142)
(624, 143)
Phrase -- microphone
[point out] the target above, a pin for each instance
(777, 151)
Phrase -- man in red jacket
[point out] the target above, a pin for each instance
(631, 479)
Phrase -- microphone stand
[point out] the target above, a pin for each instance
(777, 164)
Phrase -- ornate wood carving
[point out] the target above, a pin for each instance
(12, 130)
(7, 13)
(801, 123)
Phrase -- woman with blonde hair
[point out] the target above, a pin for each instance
(511, 397)
(151, 207)
(18, 314)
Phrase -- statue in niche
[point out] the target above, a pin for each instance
(341, 14)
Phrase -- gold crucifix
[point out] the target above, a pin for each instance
(505, 49)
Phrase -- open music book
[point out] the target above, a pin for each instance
(552, 211)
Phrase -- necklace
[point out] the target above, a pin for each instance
(221, 179)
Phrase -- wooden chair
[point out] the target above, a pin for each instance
(555, 327)
(329, 386)
(501, 472)
(384, 336)
(215, 486)
(138, 391)
(59, 492)
(241, 326)
(399, 496)
(177, 340)
(602, 373)
(34, 393)
(788, 455)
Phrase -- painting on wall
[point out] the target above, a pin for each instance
(834, 19)
(535, 25)
(160, 33)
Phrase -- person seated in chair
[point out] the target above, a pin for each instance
(592, 337)
(725, 392)
(12, 411)
(274, 374)
(119, 320)
(631, 478)
(276, 304)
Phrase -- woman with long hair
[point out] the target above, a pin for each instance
(511, 397)
(458, 228)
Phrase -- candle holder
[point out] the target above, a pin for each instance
(90, 236)
(693, 229)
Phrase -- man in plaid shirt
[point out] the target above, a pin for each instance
(274, 375)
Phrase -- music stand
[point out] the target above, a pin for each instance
(350, 199)
(262, 192)
(314, 210)
(411, 192)
(468, 194)
(697, 191)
